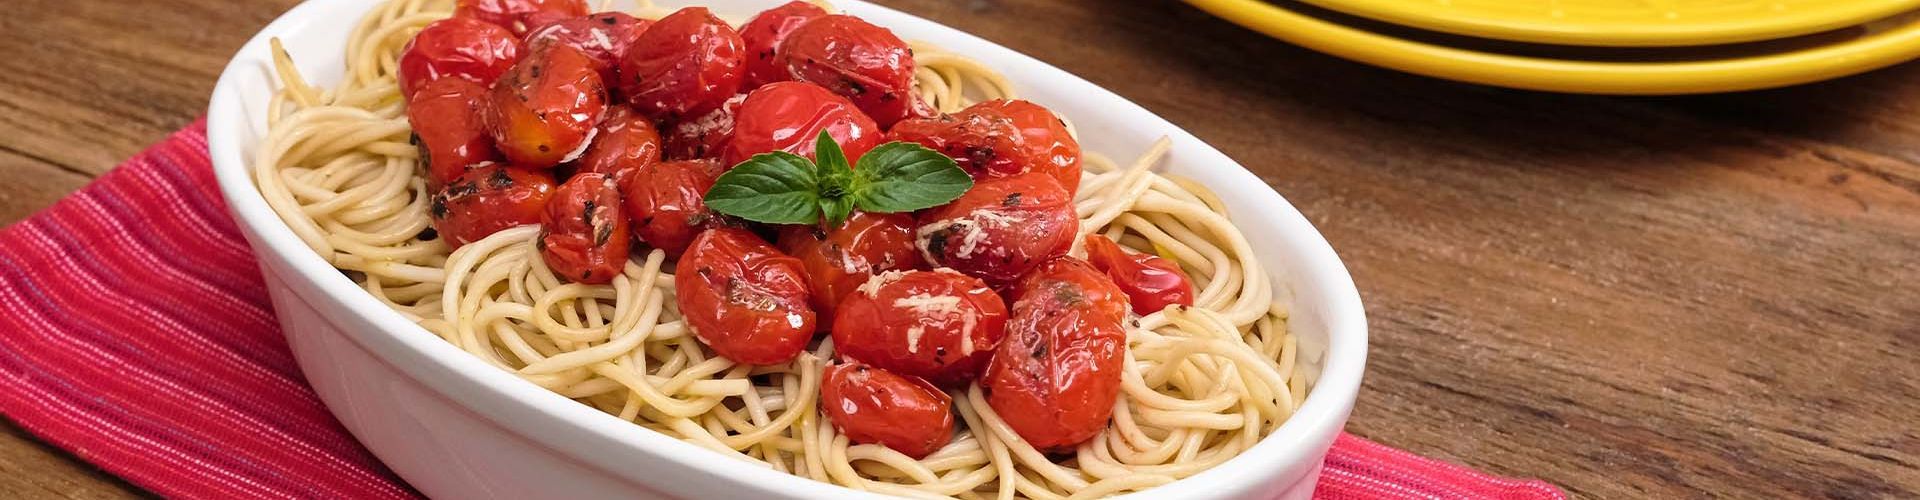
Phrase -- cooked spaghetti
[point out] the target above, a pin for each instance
(1200, 384)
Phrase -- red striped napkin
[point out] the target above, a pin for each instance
(135, 333)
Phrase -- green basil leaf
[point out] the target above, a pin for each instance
(904, 176)
(836, 210)
(775, 188)
(829, 161)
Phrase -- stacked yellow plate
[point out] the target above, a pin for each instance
(1599, 46)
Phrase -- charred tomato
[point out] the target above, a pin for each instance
(487, 199)
(1000, 138)
(1056, 375)
(1150, 282)
(743, 298)
(865, 63)
(446, 121)
(683, 66)
(583, 234)
(938, 325)
(543, 112)
(873, 406)
(840, 259)
(665, 201)
(1000, 228)
(459, 48)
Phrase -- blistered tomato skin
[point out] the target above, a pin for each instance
(1150, 282)
(604, 37)
(743, 298)
(519, 16)
(458, 48)
(544, 111)
(487, 199)
(872, 406)
(625, 143)
(1000, 228)
(840, 259)
(683, 66)
(938, 325)
(1000, 138)
(763, 35)
(665, 202)
(789, 116)
(1056, 375)
(583, 234)
(706, 136)
(865, 63)
(445, 116)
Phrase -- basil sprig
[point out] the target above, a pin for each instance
(785, 188)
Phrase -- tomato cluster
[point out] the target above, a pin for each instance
(608, 130)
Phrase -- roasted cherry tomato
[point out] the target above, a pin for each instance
(1056, 375)
(841, 259)
(788, 116)
(1000, 228)
(872, 406)
(583, 234)
(687, 64)
(1000, 138)
(543, 112)
(604, 37)
(487, 199)
(706, 136)
(625, 143)
(763, 34)
(445, 116)
(457, 47)
(1151, 283)
(519, 16)
(850, 57)
(665, 200)
(743, 298)
(938, 325)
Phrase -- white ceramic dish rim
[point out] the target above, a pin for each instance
(577, 430)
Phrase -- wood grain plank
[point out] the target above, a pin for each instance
(30, 469)
(1665, 297)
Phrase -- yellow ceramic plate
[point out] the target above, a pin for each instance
(1875, 45)
(1624, 22)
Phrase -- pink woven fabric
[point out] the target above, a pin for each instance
(135, 333)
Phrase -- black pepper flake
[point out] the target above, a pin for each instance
(1039, 350)
(981, 155)
(426, 155)
(428, 234)
(535, 69)
(940, 351)
(854, 86)
(608, 20)
(1013, 199)
(586, 213)
(819, 234)
(438, 209)
(544, 148)
(937, 242)
(500, 179)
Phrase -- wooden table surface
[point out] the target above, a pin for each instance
(1629, 297)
